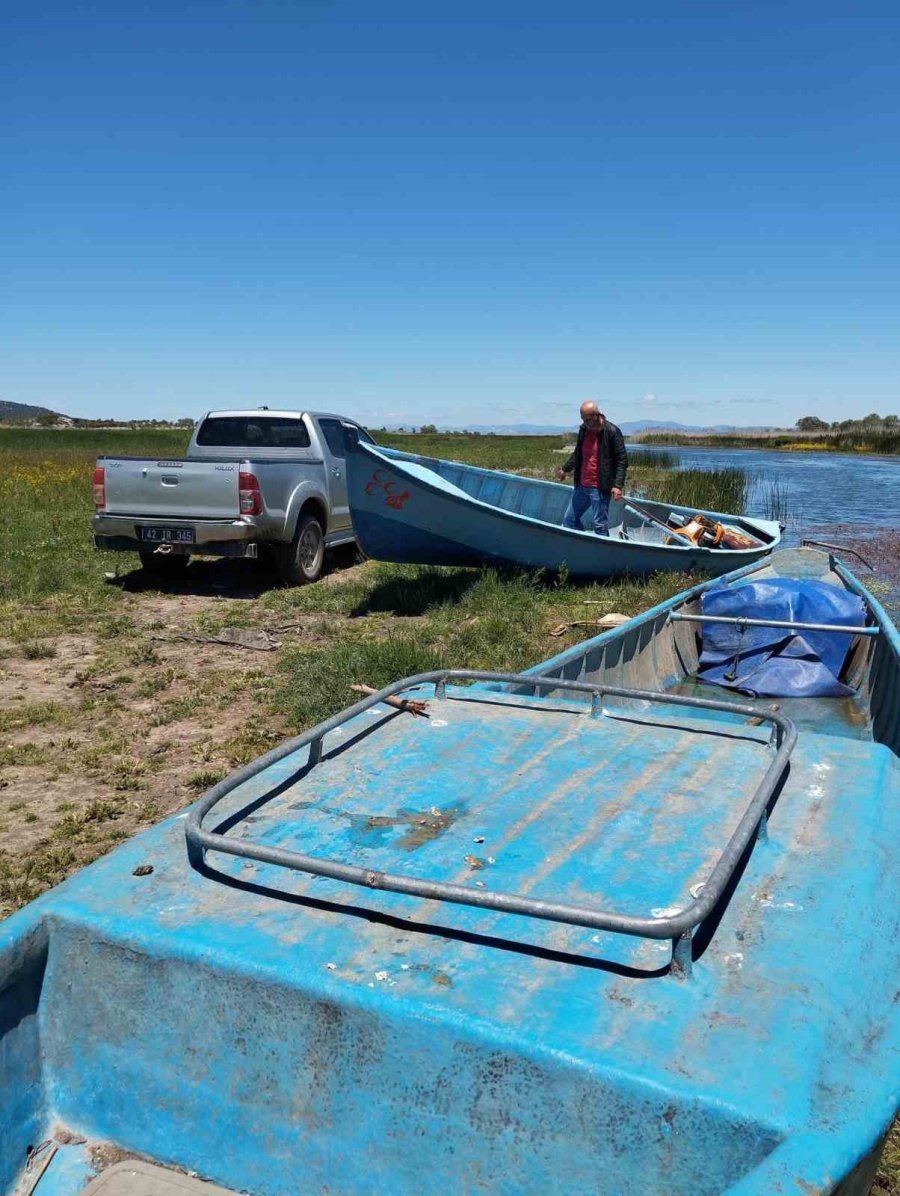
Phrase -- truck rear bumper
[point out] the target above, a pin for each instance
(212, 537)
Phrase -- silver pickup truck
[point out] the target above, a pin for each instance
(253, 481)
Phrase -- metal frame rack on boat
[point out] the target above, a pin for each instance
(678, 927)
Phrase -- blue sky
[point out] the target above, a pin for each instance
(454, 212)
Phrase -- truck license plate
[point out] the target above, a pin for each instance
(166, 535)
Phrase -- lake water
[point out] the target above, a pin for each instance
(819, 490)
(844, 499)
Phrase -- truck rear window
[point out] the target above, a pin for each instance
(260, 431)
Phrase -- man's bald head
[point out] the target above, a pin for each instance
(591, 413)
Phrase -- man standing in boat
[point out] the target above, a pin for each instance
(599, 464)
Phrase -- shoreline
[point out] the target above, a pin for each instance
(717, 443)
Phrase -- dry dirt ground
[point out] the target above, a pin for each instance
(104, 732)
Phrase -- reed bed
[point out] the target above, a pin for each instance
(879, 441)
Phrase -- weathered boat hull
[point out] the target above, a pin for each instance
(421, 510)
(278, 1030)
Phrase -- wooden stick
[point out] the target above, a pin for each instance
(564, 627)
(410, 705)
(605, 622)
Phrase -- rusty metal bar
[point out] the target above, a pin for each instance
(675, 927)
(837, 548)
(683, 955)
(649, 517)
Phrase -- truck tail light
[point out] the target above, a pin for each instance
(250, 496)
(99, 488)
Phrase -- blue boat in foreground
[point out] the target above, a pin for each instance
(423, 510)
(615, 925)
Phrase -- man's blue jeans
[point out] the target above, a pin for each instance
(598, 501)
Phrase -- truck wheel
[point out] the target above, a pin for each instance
(300, 562)
(168, 565)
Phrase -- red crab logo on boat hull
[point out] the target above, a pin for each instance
(392, 499)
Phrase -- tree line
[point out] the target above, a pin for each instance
(812, 423)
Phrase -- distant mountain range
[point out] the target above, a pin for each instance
(26, 412)
(22, 412)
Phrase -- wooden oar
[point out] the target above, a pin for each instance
(409, 705)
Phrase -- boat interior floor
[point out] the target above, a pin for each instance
(137, 1178)
(63, 1168)
(845, 718)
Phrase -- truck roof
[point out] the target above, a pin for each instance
(233, 412)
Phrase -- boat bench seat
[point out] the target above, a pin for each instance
(433, 479)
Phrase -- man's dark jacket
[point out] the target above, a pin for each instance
(611, 457)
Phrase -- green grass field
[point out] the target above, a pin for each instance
(111, 720)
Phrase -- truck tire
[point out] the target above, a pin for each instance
(300, 562)
(167, 566)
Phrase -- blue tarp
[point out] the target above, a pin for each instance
(773, 661)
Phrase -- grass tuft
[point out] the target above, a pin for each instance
(22, 755)
(34, 714)
(206, 778)
(38, 650)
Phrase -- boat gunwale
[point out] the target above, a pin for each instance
(577, 651)
(890, 633)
